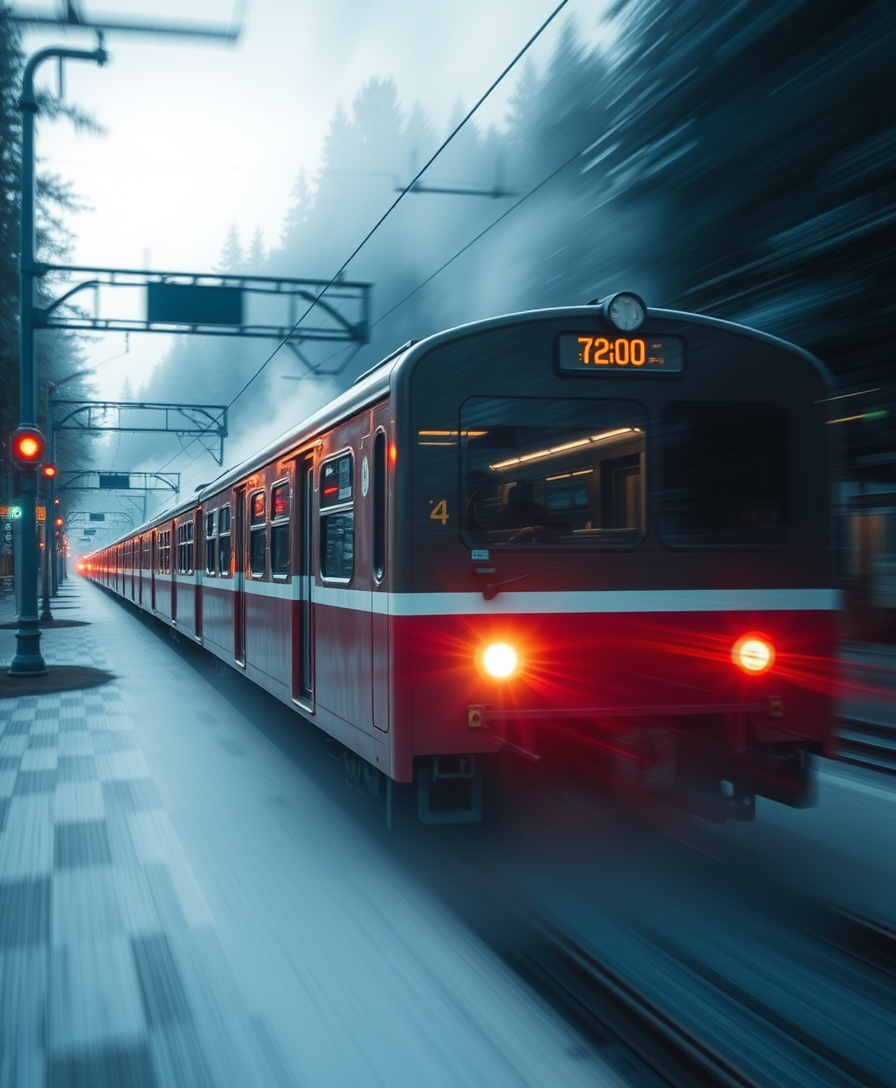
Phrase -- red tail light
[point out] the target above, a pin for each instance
(754, 654)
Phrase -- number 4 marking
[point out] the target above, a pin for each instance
(439, 511)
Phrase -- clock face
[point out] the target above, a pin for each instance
(626, 312)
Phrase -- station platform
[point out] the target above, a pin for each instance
(182, 904)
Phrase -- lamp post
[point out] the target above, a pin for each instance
(28, 659)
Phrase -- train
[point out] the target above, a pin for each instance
(605, 528)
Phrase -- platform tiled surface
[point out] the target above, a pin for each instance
(111, 971)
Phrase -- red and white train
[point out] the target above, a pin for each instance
(604, 523)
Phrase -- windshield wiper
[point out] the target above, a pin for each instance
(490, 591)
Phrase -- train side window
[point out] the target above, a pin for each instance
(337, 519)
(164, 551)
(211, 542)
(379, 506)
(257, 527)
(185, 547)
(225, 546)
(280, 530)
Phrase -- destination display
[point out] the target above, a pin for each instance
(632, 354)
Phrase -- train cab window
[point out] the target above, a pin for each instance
(225, 547)
(185, 547)
(211, 541)
(280, 530)
(257, 528)
(725, 475)
(561, 473)
(337, 519)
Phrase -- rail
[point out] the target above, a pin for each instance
(871, 745)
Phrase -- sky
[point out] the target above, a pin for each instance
(203, 135)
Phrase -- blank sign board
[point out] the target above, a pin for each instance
(187, 304)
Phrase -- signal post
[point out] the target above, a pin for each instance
(29, 448)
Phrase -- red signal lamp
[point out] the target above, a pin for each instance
(49, 471)
(60, 521)
(29, 447)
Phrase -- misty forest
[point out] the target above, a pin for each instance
(733, 159)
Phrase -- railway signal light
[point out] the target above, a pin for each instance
(29, 447)
(49, 471)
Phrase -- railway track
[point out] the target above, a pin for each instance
(868, 744)
(674, 1000)
(743, 1040)
(698, 972)
(606, 1004)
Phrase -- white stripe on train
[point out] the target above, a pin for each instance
(517, 602)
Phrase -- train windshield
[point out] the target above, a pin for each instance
(550, 471)
(725, 475)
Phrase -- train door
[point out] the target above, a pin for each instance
(197, 561)
(153, 562)
(239, 575)
(380, 652)
(173, 559)
(303, 656)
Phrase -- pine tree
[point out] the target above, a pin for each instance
(232, 260)
(255, 258)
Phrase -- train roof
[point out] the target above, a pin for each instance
(378, 381)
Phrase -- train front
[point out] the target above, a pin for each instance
(613, 538)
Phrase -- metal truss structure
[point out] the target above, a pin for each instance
(199, 420)
(83, 480)
(208, 304)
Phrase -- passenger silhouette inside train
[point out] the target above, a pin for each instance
(530, 520)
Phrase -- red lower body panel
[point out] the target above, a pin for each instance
(596, 667)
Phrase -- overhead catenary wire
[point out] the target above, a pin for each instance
(336, 276)
(481, 234)
(463, 249)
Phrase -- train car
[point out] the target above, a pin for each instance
(603, 527)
